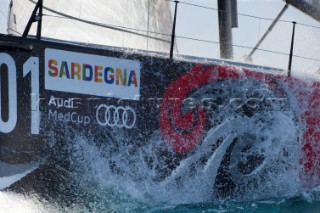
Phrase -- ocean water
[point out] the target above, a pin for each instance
(89, 185)
(115, 201)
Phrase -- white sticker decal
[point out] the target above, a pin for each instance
(92, 74)
(113, 116)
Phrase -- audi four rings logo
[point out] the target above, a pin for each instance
(113, 116)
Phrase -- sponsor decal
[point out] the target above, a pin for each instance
(66, 117)
(112, 116)
(92, 74)
(185, 130)
(60, 102)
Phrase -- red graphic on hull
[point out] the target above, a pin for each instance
(185, 130)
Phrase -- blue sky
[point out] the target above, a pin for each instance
(203, 24)
(3, 14)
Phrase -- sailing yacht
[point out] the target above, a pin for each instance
(226, 124)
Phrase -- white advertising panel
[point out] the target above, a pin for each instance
(92, 74)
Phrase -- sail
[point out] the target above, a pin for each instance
(141, 24)
(310, 7)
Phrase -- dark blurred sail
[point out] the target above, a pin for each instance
(310, 7)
